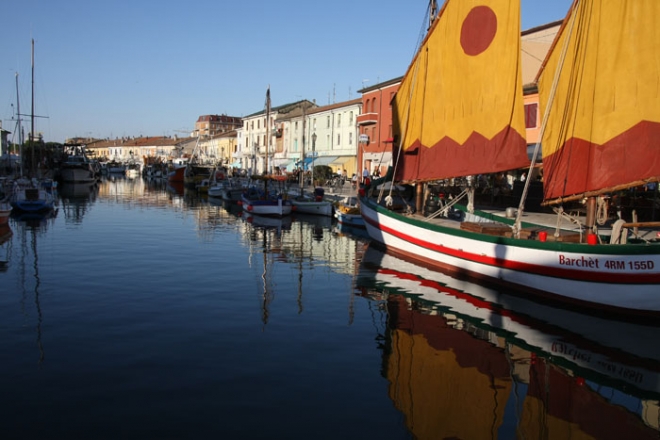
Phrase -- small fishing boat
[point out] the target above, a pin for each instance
(313, 203)
(347, 212)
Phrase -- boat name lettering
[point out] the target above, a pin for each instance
(571, 352)
(632, 265)
(626, 373)
(591, 263)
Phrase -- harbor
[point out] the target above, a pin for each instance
(179, 316)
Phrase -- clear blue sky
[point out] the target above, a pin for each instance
(142, 67)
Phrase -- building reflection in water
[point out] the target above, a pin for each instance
(465, 361)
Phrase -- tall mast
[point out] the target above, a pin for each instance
(32, 171)
(267, 127)
(20, 127)
(302, 153)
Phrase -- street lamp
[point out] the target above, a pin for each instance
(313, 154)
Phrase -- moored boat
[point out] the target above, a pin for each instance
(348, 213)
(584, 143)
(313, 203)
(5, 212)
(77, 168)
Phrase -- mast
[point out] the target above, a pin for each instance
(301, 176)
(32, 137)
(267, 128)
(20, 127)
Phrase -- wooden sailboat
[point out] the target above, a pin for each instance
(310, 203)
(603, 122)
(265, 199)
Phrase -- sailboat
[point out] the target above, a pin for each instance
(28, 195)
(459, 113)
(310, 203)
(262, 200)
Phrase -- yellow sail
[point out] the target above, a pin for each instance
(459, 109)
(603, 128)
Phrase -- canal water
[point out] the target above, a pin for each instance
(138, 310)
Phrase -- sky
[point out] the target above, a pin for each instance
(144, 68)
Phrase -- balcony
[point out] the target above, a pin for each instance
(367, 119)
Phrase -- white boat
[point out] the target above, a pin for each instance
(478, 127)
(312, 204)
(348, 213)
(77, 168)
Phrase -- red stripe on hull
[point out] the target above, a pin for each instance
(533, 269)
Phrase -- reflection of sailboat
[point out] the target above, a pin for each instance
(485, 362)
(459, 112)
(266, 232)
(30, 195)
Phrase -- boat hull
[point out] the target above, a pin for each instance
(620, 278)
(78, 174)
(5, 211)
(312, 207)
(277, 208)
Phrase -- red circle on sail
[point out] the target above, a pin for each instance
(478, 30)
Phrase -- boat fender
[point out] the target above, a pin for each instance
(389, 201)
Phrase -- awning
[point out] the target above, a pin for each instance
(286, 164)
(308, 160)
(235, 164)
(342, 160)
(324, 160)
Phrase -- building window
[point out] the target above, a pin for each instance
(350, 138)
(338, 139)
(531, 115)
(350, 118)
(328, 122)
(339, 120)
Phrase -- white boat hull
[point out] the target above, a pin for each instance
(313, 207)
(276, 208)
(625, 277)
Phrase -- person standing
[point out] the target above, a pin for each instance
(365, 175)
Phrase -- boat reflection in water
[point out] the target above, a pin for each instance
(467, 361)
(5, 246)
(77, 199)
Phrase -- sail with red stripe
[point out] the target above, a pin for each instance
(459, 110)
(603, 124)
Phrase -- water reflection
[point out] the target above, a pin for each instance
(76, 200)
(33, 227)
(466, 361)
(5, 246)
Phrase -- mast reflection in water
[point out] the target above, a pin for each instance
(466, 361)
